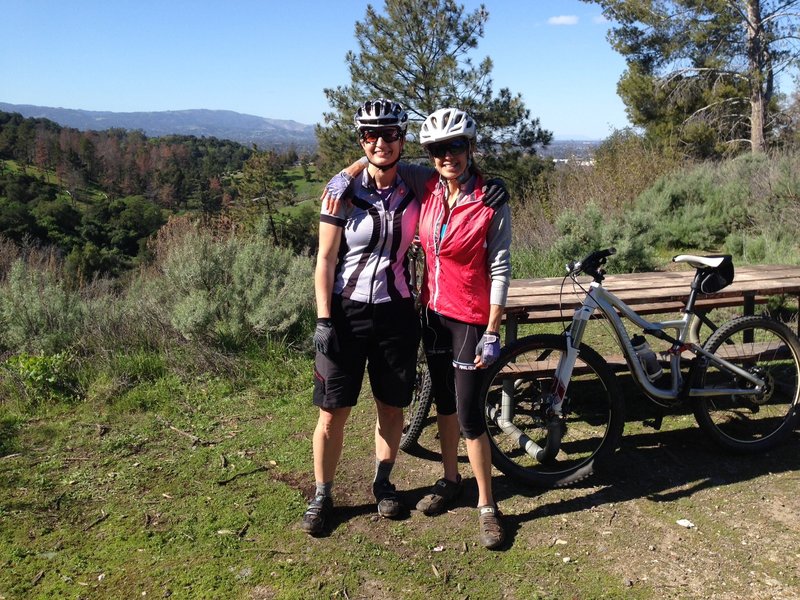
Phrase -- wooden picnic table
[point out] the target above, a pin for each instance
(541, 300)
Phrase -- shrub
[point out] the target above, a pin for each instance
(624, 166)
(45, 378)
(593, 229)
(695, 208)
(37, 311)
(230, 289)
(747, 205)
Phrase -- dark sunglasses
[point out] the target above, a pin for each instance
(454, 147)
(370, 136)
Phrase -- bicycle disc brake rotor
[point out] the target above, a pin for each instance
(765, 396)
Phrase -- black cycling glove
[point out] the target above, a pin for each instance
(325, 337)
(495, 193)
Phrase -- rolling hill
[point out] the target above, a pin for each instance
(222, 124)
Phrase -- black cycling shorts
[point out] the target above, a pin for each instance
(456, 383)
(381, 338)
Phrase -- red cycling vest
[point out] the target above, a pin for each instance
(457, 281)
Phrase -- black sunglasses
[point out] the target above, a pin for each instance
(370, 136)
(454, 147)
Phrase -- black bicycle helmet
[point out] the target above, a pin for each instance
(381, 113)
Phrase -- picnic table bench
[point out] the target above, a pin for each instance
(541, 301)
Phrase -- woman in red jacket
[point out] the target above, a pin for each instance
(467, 260)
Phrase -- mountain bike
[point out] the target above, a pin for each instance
(417, 412)
(554, 407)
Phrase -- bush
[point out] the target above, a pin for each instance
(227, 290)
(45, 378)
(624, 166)
(695, 208)
(593, 229)
(37, 311)
(747, 205)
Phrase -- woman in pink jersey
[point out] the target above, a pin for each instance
(467, 260)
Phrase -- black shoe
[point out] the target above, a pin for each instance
(389, 505)
(440, 497)
(318, 511)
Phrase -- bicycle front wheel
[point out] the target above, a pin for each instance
(516, 391)
(747, 422)
(416, 413)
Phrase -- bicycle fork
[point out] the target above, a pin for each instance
(554, 399)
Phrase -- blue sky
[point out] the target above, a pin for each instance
(273, 58)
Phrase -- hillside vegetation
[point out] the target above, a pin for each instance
(208, 288)
(97, 196)
(155, 420)
(650, 207)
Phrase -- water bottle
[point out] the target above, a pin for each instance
(647, 357)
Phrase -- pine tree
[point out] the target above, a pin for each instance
(701, 75)
(418, 53)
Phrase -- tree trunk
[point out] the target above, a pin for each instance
(757, 70)
(271, 221)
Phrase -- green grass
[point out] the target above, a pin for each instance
(305, 188)
(133, 496)
(192, 487)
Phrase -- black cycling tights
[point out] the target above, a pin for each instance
(450, 351)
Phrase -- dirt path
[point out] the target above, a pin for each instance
(740, 536)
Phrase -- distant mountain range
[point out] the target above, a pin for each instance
(223, 124)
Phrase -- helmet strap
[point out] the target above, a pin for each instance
(464, 177)
(384, 167)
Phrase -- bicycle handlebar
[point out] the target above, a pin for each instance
(592, 263)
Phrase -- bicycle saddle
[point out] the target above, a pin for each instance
(700, 262)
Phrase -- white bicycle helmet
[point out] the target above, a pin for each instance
(381, 113)
(446, 124)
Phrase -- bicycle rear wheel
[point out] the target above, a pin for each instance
(516, 390)
(751, 423)
(416, 413)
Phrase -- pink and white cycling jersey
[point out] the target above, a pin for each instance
(377, 229)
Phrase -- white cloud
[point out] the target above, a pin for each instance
(563, 20)
(600, 20)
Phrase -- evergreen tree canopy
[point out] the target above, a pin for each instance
(417, 52)
(701, 75)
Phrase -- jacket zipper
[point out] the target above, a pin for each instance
(438, 238)
(437, 245)
(385, 218)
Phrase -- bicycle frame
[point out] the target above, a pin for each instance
(686, 338)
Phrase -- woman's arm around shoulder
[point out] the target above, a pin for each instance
(416, 177)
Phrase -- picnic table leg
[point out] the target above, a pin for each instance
(749, 311)
(512, 325)
(511, 329)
